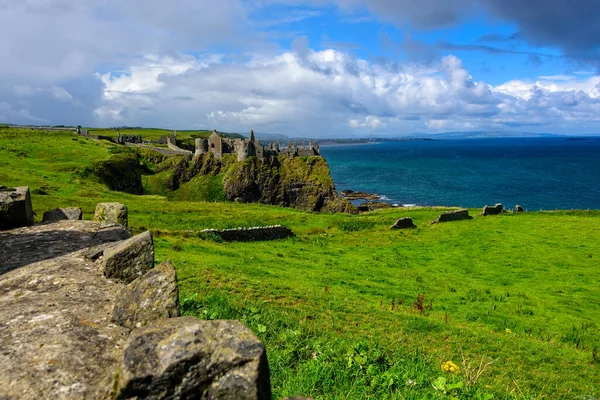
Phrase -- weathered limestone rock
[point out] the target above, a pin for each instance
(59, 214)
(129, 259)
(519, 208)
(456, 215)
(115, 213)
(403, 223)
(15, 207)
(56, 336)
(190, 358)
(493, 210)
(151, 297)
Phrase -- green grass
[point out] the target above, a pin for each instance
(155, 134)
(349, 309)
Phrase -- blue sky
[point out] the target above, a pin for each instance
(319, 68)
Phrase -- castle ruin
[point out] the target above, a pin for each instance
(245, 148)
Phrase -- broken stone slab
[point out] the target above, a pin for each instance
(456, 215)
(151, 297)
(22, 246)
(15, 208)
(190, 358)
(115, 213)
(403, 223)
(493, 210)
(61, 214)
(129, 259)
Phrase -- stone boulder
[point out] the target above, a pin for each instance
(373, 206)
(15, 207)
(403, 223)
(186, 357)
(115, 213)
(493, 210)
(456, 215)
(518, 208)
(130, 259)
(151, 297)
(60, 214)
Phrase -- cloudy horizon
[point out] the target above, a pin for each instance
(318, 68)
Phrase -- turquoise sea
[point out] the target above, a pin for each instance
(536, 173)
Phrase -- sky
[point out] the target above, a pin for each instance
(309, 68)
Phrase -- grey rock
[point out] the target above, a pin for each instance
(519, 209)
(183, 358)
(493, 210)
(60, 214)
(129, 259)
(56, 336)
(403, 223)
(115, 213)
(22, 246)
(151, 297)
(456, 215)
(15, 207)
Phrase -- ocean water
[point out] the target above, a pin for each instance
(536, 173)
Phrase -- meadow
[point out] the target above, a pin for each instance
(490, 308)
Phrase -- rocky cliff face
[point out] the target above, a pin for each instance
(299, 182)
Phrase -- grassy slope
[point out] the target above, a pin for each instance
(322, 301)
(155, 134)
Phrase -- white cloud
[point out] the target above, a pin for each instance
(329, 92)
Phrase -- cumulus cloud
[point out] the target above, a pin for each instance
(329, 93)
(150, 62)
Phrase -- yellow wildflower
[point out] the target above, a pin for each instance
(450, 367)
(508, 330)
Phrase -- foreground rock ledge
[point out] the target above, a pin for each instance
(190, 358)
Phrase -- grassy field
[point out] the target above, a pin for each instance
(351, 310)
(155, 133)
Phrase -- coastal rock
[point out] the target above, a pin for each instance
(493, 210)
(115, 213)
(374, 205)
(129, 259)
(148, 298)
(403, 223)
(59, 214)
(518, 208)
(352, 195)
(186, 357)
(15, 207)
(456, 215)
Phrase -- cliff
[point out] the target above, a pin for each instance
(299, 182)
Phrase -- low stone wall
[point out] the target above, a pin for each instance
(253, 234)
(493, 210)
(456, 215)
(179, 149)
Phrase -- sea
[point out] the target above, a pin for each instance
(536, 173)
